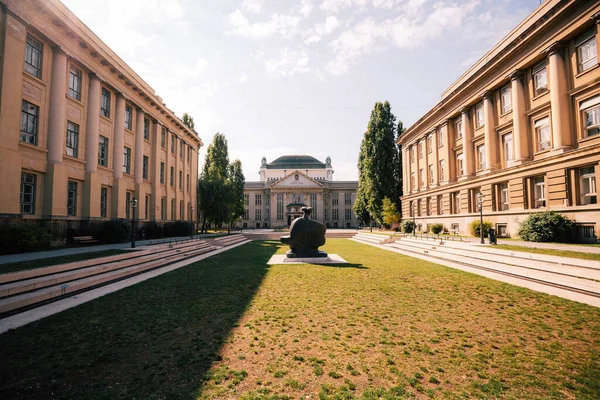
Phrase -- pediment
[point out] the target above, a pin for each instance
(298, 180)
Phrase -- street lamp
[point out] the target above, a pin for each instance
(414, 211)
(191, 222)
(480, 198)
(133, 207)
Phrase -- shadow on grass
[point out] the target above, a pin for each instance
(348, 265)
(153, 340)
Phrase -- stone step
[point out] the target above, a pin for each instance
(12, 303)
(374, 238)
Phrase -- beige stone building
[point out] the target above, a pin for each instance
(291, 182)
(521, 127)
(81, 134)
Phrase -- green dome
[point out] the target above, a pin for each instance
(296, 162)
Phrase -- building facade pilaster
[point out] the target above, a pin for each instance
(467, 140)
(119, 188)
(491, 146)
(559, 98)
(519, 116)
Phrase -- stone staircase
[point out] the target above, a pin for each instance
(373, 238)
(25, 289)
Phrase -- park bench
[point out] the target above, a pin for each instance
(84, 240)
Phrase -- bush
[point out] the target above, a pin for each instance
(153, 230)
(177, 228)
(437, 228)
(547, 226)
(408, 226)
(111, 231)
(19, 236)
(474, 228)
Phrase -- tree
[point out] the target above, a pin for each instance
(398, 173)
(389, 213)
(236, 189)
(378, 164)
(188, 120)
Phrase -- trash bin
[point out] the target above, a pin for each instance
(492, 236)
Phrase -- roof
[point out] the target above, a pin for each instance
(296, 162)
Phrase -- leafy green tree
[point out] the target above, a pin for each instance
(389, 213)
(398, 173)
(188, 120)
(378, 164)
(236, 189)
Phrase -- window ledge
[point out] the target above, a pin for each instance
(77, 160)
(582, 73)
(74, 100)
(583, 139)
(33, 146)
(538, 96)
(106, 118)
(35, 78)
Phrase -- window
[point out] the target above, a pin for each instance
(27, 193)
(33, 57)
(187, 183)
(162, 173)
(145, 168)
(421, 177)
(428, 207)
(479, 115)
(431, 177)
(181, 144)
(460, 165)
(440, 205)
(440, 138)
(146, 129)
(246, 199)
(71, 198)
(456, 202)
(173, 216)
(163, 137)
(587, 185)
(542, 133)
(258, 200)
(105, 105)
(335, 213)
(441, 170)
(540, 79)
(127, 205)
(172, 177)
(481, 157)
(146, 206)
(347, 199)
(173, 144)
(459, 128)
(163, 208)
(507, 148)
(413, 180)
(429, 144)
(189, 154)
(258, 213)
(181, 210)
(29, 122)
(586, 51)
(539, 192)
(75, 83)
(127, 160)
(313, 204)
(102, 151)
(348, 214)
(412, 154)
(128, 118)
(279, 206)
(180, 180)
(421, 149)
(505, 99)
(503, 194)
(103, 201)
(334, 200)
(591, 116)
(72, 138)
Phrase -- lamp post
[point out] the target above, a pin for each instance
(133, 207)
(191, 222)
(480, 199)
(414, 211)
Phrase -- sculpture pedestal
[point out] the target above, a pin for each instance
(314, 254)
(329, 259)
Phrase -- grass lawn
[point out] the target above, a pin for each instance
(551, 252)
(46, 262)
(386, 326)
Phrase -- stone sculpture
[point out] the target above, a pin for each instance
(306, 235)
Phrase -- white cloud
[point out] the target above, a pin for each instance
(315, 35)
(252, 6)
(289, 62)
(334, 6)
(387, 4)
(283, 25)
(306, 7)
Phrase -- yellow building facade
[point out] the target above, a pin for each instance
(520, 127)
(81, 134)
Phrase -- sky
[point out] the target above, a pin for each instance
(281, 77)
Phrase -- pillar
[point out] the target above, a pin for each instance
(119, 187)
(433, 160)
(468, 151)
(155, 160)
(519, 115)
(559, 98)
(138, 154)
(491, 146)
(448, 153)
(92, 184)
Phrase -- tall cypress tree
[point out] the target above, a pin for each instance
(378, 164)
(213, 196)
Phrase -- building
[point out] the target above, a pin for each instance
(292, 182)
(521, 127)
(81, 134)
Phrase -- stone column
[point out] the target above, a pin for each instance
(426, 162)
(408, 168)
(469, 164)
(417, 166)
(91, 187)
(155, 171)
(433, 160)
(519, 115)
(55, 181)
(491, 146)
(559, 98)
(118, 192)
(138, 154)
(448, 153)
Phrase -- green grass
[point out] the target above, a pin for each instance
(550, 252)
(47, 262)
(385, 326)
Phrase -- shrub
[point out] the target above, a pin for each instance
(177, 228)
(437, 228)
(18, 236)
(408, 226)
(153, 230)
(547, 226)
(474, 228)
(111, 231)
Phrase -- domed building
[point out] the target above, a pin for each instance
(291, 182)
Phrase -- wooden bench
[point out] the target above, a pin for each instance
(84, 240)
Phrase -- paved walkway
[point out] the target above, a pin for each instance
(38, 255)
(580, 248)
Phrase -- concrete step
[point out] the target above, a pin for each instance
(12, 303)
(14, 288)
(374, 238)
